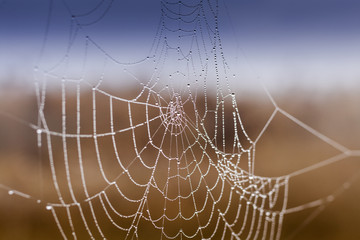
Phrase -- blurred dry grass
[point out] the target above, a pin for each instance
(284, 148)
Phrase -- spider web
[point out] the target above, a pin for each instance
(172, 155)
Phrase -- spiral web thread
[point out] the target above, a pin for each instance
(181, 164)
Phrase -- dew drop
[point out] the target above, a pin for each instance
(330, 198)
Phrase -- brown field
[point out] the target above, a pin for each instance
(284, 148)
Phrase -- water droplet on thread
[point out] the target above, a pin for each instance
(330, 198)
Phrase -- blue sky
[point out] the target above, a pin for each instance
(312, 41)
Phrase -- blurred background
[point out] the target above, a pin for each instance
(306, 53)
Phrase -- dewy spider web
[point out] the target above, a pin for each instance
(169, 158)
